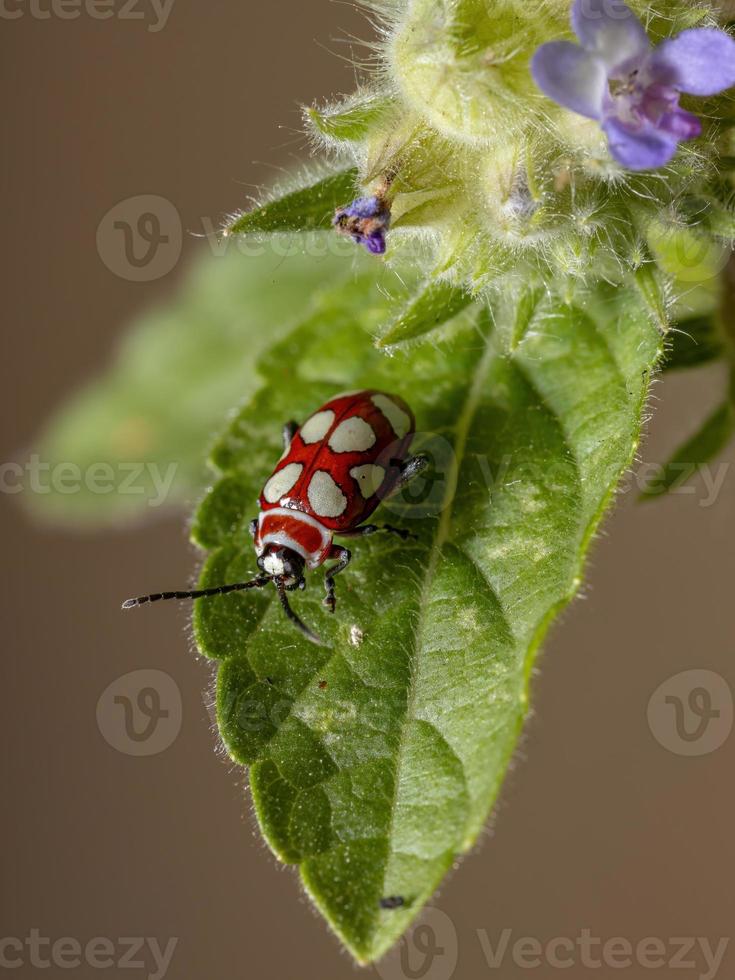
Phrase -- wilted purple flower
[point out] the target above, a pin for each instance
(366, 220)
(632, 88)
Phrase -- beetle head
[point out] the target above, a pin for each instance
(283, 564)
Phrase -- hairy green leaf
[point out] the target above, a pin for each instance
(436, 304)
(139, 435)
(651, 285)
(375, 760)
(704, 446)
(350, 121)
(304, 209)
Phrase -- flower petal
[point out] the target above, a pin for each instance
(364, 207)
(700, 61)
(571, 77)
(610, 30)
(375, 243)
(643, 150)
(680, 124)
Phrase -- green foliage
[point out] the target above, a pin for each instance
(693, 342)
(178, 373)
(701, 448)
(696, 341)
(436, 303)
(349, 121)
(524, 299)
(375, 760)
(306, 208)
(490, 180)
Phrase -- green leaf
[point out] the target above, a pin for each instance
(303, 209)
(652, 287)
(704, 446)
(154, 414)
(437, 303)
(375, 760)
(350, 121)
(693, 342)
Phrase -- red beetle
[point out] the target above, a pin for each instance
(335, 470)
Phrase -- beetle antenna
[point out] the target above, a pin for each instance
(292, 615)
(257, 583)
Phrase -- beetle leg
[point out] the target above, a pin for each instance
(289, 431)
(410, 468)
(344, 557)
(359, 532)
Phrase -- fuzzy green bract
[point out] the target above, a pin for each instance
(490, 179)
(435, 303)
(374, 762)
(301, 208)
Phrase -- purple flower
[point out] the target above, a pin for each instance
(630, 87)
(366, 220)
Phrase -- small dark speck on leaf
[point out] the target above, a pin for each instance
(392, 902)
(269, 680)
(322, 685)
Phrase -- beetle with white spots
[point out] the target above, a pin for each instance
(336, 469)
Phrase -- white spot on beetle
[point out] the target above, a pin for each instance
(354, 435)
(281, 482)
(315, 428)
(325, 497)
(400, 422)
(369, 478)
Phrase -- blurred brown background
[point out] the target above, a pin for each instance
(600, 827)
